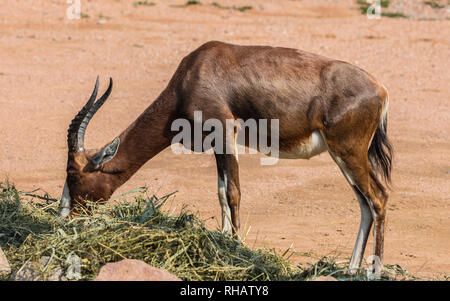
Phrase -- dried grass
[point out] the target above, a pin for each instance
(140, 229)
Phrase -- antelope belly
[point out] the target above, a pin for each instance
(306, 149)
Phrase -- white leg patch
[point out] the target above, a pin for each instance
(236, 151)
(340, 163)
(226, 212)
(343, 168)
(64, 204)
(366, 215)
(345, 171)
(363, 233)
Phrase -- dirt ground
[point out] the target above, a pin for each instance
(48, 65)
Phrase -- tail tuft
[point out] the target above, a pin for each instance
(380, 151)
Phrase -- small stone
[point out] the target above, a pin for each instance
(5, 268)
(101, 22)
(45, 260)
(33, 271)
(57, 274)
(325, 278)
(28, 272)
(133, 270)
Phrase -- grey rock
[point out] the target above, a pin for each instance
(36, 271)
(28, 272)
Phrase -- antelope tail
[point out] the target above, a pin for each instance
(381, 151)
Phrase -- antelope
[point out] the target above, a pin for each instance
(322, 105)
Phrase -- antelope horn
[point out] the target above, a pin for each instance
(77, 128)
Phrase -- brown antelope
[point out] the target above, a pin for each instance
(321, 104)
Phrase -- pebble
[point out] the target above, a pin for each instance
(31, 271)
(5, 268)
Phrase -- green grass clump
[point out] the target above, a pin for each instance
(434, 4)
(394, 15)
(215, 4)
(193, 2)
(364, 6)
(144, 3)
(102, 16)
(238, 8)
(140, 229)
(188, 3)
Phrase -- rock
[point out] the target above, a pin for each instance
(28, 272)
(133, 270)
(34, 271)
(5, 269)
(325, 278)
(57, 275)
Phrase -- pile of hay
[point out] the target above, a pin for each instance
(138, 229)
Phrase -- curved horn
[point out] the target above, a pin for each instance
(73, 138)
(81, 121)
(97, 105)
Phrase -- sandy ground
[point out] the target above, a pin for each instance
(48, 66)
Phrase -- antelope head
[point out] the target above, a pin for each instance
(88, 177)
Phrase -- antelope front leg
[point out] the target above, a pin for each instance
(229, 192)
(64, 205)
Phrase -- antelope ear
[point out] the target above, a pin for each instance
(106, 154)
